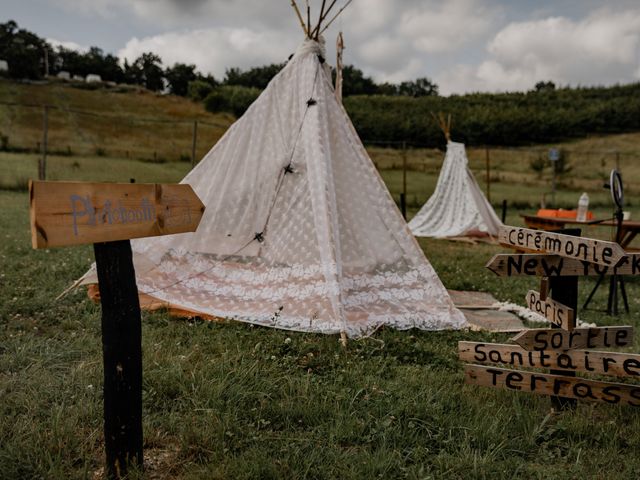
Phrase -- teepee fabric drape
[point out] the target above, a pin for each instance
(299, 230)
(457, 206)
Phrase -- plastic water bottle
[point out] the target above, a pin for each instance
(583, 207)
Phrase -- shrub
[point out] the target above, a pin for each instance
(231, 99)
(538, 164)
(198, 90)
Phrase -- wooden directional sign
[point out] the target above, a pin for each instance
(555, 338)
(578, 248)
(555, 312)
(540, 264)
(108, 215)
(546, 384)
(596, 362)
(72, 213)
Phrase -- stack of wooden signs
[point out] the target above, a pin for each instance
(564, 349)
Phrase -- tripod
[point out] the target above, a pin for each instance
(615, 281)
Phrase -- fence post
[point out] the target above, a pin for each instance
(193, 144)
(404, 169)
(42, 165)
(488, 166)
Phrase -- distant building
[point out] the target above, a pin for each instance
(4, 66)
(92, 77)
(62, 75)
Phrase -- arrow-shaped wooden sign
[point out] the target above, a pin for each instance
(555, 312)
(73, 213)
(545, 384)
(108, 215)
(540, 264)
(578, 248)
(555, 338)
(588, 361)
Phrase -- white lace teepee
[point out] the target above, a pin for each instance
(299, 230)
(457, 207)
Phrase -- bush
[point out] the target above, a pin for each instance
(198, 90)
(509, 119)
(231, 99)
(538, 164)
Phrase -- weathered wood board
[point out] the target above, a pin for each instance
(547, 384)
(596, 362)
(578, 338)
(555, 312)
(73, 213)
(577, 248)
(541, 264)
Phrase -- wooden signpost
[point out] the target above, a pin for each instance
(108, 215)
(555, 312)
(72, 213)
(564, 350)
(545, 384)
(596, 337)
(578, 248)
(511, 265)
(597, 362)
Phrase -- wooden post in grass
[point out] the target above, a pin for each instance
(108, 215)
(122, 356)
(42, 164)
(564, 290)
(488, 168)
(193, 143)
(404, 170)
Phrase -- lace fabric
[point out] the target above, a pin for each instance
(457, 206)
(299, 230)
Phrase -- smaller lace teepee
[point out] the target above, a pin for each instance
(457, 207)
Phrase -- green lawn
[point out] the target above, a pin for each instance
(234, 401)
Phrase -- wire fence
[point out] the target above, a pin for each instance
(159, 136)
(57, 130)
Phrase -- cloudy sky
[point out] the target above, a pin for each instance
(464, 45)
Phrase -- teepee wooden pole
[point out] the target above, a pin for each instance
(317, 29)
(334, 17)
(324, 17)
(295, 7)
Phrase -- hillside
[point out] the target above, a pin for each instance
(119, 121)
(517, 118)
(114, 134)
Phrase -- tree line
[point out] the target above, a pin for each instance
(385, 112)
(32, 57)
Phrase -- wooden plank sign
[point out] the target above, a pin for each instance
(540, 264)
(578, 248)
(108, 215)
(596, 337)
(546, 384)
(73, 213)
(555, 312)
(596, 362)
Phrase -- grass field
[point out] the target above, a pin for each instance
(234, 401)
(115, 122)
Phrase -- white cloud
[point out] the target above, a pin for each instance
(68, 45)
(214, 50)
(445, 26)
(602, 48)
